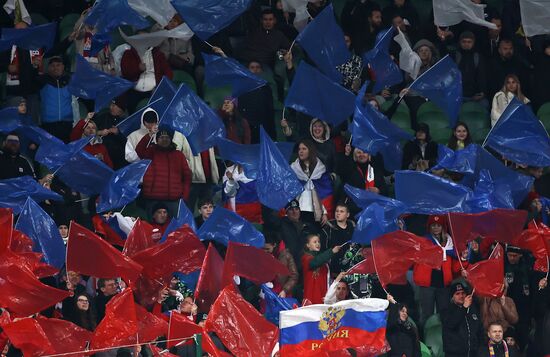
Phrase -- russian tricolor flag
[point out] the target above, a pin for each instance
(314, 329)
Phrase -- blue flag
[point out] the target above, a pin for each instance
(10, 120)
(123, 187)
(372, 222)
(276, 304)
(224, 226)
(184, 216)
(54, 153)
(208, 17)
(90, 83)
(165, 91)
(35, 134)
(107, 15)
(31, 38)
(15, 191)
(323, 41)
(248, 156)
(221, 71)
(133, 122)
(364, 198)
(462, 161)
(41, 228)
(314, 94)
(192, 117)
(424, 193)
(85, 173)
(99, 41)
(442, 84)
(519, 136)
(386, 71)
(277, 184)
(545, 207)
(190, 280)
(489, 195)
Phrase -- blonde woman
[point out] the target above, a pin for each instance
(510, 89)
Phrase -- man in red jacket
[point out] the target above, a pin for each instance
(168, 177)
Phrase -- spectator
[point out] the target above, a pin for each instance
(497, 347)
(149, 125)
(337, 231)
(490, 43)
(205, 206)
(84, 315)
(107, 129)
(420, 153)
(12, 163)
(401, 332)
(283, 285)
(315, 268)
(326, 150)
(363, 171)
(460, 137)
(540, 91)
(168, 177)
(500, 310)
(64, 232)
(240, 196)
(472, 66)
(365, 38)
(236, 127)
(316, 199)
(352, 70)
(56, 101)
(146, 70)
(505, 63)
(338, 291)
(257, 107)
(108, 288)
(263, 43)
(87, 128)
(510, 89)
(461, 325)
(160, 221)
(404, 9)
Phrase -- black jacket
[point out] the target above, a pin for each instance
(412, 152)
(402, 336)
(462, 330)
(499, 351)
(331, 236)
(14, 166)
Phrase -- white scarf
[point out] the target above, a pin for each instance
(309, 186)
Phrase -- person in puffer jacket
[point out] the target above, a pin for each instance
(168, 177)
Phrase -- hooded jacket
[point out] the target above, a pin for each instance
(461, 330)
(326, 151)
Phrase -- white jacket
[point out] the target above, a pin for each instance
(500, 102)
(195, 163)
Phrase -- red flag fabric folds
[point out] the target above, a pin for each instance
(27, 335)
(120, 324)
(395, 252)
(241, 328)
(32, 295)
(6, 228)
(65, 336)
(184, 255)
(150, 327)
(209, 284)
(501, 225)
(251, 263)
(366, 266)
(88, 254)
(536, 239)
(182, 328)
(20, 242)
(487, 276)
(139, 238)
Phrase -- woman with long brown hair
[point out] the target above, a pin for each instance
(510, 89)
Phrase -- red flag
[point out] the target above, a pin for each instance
(88, 254)
(395, 252)
(147, 290)
(241, 328)
(27, 335)
(20, 242)
(502, 225)
(209, 284)
(181, 331)
(106, 232)
(366, 266)
(150, 327)
(23, 294)
(6, 228)
(536, 239)
(120, 324)
(31, 261)
(487, 276)
(139, 238)
(65, 336)
(251, 263)
(162, 260)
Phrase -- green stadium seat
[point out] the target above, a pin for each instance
(142, 103)
(401, 108)
(38, 19)
(425, 350)
(479, 135)
(434, 120)
(476, 121)
(544, 111)
(214, 96)
(184, 77)
(433, 335)
(68, 21)
(402, 120)
(429, 107)
(440, 135)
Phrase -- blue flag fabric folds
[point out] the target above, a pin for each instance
(442, 84)
(41, 228)
(276, 304)
(192, 117)
(225, 226)
(184, 216)
(54, 153)
(277, 184)
(463, 161)
(107, 15)
(386, 71)
(323, 41)
(90, 83)
(364, 198)
(86, 174)
(10, 120)
(15, 191)
(519, 136)
(314, 94)
(248, 156)
(99, 41)
(31, 38)
(424, 193)
(165, 91)
(372, 222)
(133, 122)
(221, 71)
(35, 134)
(123, 187)
(207, 17)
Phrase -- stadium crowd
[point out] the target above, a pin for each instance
(312, 235)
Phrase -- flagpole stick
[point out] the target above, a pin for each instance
(454, 241)
(349, 141)
(375, 268)
(67, 252)
(291, 45)
(208, 43)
